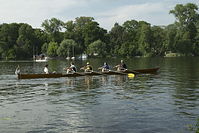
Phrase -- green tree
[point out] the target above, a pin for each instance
(196, 44)
(84, 30)
(127, 49)
(145, 38)
(40, 38)
(44, 48)
(97, 47)
(132, 29)
(52, 49)
(8, 37)
(54, 27)
(158, 41)
(186, 18)
(66, 47)
(185, 14)
(25, 41)
(170, 38)
(117, 38)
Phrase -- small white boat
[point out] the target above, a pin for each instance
(40, 58)
(68, 58)
(45, 59)
(83, 57)
(73, 58)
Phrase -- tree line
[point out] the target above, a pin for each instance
(85, 36)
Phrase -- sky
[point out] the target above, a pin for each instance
(105, 12)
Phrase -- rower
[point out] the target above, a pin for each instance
(46, 69)
(17, 71)
(105, 67)
(71, 69)
(87, 68)
(122, 66)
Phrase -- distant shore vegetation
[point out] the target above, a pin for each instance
(84, 36)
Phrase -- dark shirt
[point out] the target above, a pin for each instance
(106, 67)
(74, 69)
(123, 66)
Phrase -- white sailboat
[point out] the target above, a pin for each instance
(83, 56)
(39, 58)
(73, 57)
(68, 57)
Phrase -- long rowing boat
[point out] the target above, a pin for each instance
(143, 71)
(58, 75)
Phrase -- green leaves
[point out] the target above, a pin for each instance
(97, 48)
(65, 48)
(84, 35)
(187, 19)
(52, 49)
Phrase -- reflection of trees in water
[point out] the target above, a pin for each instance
(185, 83)
(185, 97)
(120, 79)
(88, 81)
(70, 82)
(105, 80)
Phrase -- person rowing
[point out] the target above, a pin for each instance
(71, 69)
(46, 69)
(87, 68)
(105, 67)
(122, 66)
(17, 71)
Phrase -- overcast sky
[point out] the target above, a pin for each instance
(105, 12)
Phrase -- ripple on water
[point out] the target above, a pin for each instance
(147, 103)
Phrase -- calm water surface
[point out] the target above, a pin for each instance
(163, 103)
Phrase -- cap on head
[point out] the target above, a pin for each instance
(87, 63)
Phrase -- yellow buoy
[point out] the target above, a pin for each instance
(131, 75)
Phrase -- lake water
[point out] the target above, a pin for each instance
(167, 102)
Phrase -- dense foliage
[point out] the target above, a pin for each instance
(84, 35)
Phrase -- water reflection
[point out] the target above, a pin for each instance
(105, 80)
(120, 79)
(88, 81)
(165, 102)
(70, 82)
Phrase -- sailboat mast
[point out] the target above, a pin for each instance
(73, 53)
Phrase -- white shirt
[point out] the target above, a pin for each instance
(73, 67)
(46, 70)
(17, 71)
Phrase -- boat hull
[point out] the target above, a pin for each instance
(58, 75)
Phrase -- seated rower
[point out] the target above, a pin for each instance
(87, 68)
(105, 67)
(71, 69)
(122, 66)
(17, 71)
(46, 69)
